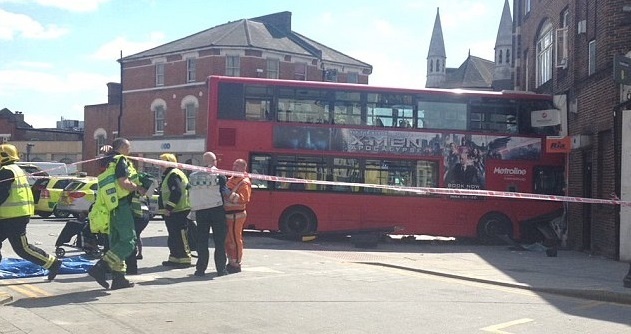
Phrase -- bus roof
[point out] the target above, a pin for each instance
(369, 88)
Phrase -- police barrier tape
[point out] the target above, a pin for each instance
(35, 176)
(418, 190)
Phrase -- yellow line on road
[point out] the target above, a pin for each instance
(498, 328)
(28, 290)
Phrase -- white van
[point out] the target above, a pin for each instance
(52, 168)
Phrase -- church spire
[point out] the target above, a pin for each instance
(502, 75)
(436, 57)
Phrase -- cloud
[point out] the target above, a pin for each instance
(111, 50)
(14, 81)
(12, 24)
(81, 6)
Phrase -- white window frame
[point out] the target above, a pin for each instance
(159, 74)
(545, 45)
(190, 113)
(561, 48)
(273, 68)
(191, 69)
(159, 117)
(591, 68)
(526, 6)
(233, 65)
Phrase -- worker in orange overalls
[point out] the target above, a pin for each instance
(234, 204)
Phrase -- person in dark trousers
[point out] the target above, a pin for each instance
(174, 199)
(206, 194)
(16, 208)
(117, 184)
(140, 212)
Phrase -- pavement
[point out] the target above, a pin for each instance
(571, 273)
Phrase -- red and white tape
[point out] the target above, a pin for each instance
(419, 190)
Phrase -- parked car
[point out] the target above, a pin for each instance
(52, 168)
(46, 193)
(78, 197)
(34, 172)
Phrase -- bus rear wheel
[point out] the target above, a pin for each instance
(297, 222)
(492, 226)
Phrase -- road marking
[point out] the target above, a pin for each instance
(498, 328)
(589, 305)
(28, 290)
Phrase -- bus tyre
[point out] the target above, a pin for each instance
(493, 225)
(297, 221)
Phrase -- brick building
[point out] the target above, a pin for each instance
(40, 144)
(566, 48)
(165, 90)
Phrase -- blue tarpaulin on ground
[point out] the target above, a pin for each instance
(19, 268)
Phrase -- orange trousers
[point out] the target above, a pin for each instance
(234, 239)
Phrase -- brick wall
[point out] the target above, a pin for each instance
(591, 227)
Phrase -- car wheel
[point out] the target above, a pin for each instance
(44, 214)
(61, 213)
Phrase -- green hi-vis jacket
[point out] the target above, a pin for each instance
(108, 195)
(20, 201)
(184, 202)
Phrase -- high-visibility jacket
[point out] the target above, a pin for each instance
(239, 197)
(139, 206)
(20, 201)
(184, 202)
(109, 188)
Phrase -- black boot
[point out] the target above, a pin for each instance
(119, 281)
(99, 273)
(54, 269)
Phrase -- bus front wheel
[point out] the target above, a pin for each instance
(492, 226)
(298, 221)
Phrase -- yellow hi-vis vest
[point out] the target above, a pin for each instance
(109, 189)
(184, 203)
(20, 201)
(108, 195)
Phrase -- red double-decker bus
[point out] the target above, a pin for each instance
(349, 133)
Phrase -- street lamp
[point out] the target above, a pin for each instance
(29, 148)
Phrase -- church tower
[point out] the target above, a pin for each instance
(436, 69)
(503, 72)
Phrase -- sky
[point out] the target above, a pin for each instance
(56, 56)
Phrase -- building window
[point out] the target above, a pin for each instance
(431, 66)
(191, 115)
(526, 7)
(508, 56)
(526, 71)
(273, 66)
(352, 77)
(233, 65)
(191, 65)
(160, 74)
(499, 59)
(100, 142)
(592, 57)
(544, 55)
(159, 114)
(300, 71)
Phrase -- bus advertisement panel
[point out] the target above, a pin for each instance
(346, 135)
